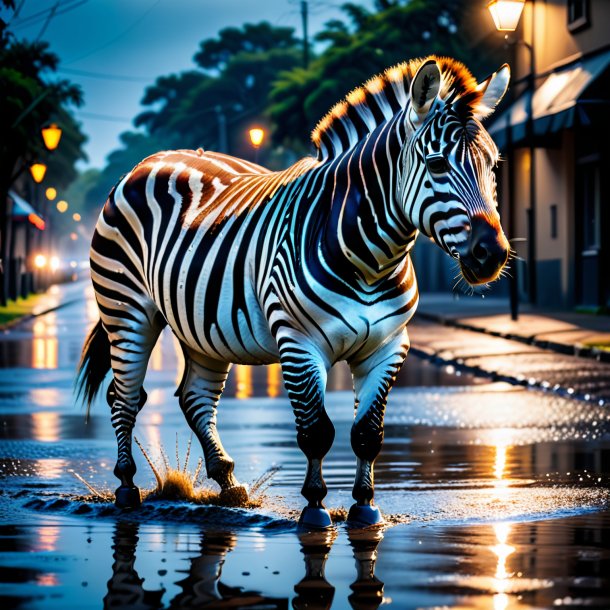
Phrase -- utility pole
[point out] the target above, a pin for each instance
(304, 12)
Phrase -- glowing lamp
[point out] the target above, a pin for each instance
(62, 206)
(38, 170)
(40, 261)
(51, 136)
(76, 217)
(506, 14)
(257, 135)
(73, 236)
(51, 193)
(54, 263)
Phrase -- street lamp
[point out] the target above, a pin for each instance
(38, 170)
(51, 134)
(51, 193)
(257, 135)
(62, 206)
(506, 15)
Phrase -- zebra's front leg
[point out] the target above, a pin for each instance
(373, 379)
(305, 372)
(200, 391)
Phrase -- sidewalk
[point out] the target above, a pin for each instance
(58, 295)
(565, 332)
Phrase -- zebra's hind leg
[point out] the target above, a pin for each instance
(202, 385)
(373, 379)
(305, 373)
(130, 350)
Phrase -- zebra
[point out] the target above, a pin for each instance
(307, 266)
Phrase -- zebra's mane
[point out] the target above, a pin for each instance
(366, 107)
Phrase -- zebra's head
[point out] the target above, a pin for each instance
(448, 188)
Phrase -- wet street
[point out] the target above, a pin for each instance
(495, 494)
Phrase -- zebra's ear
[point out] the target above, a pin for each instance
(425, 87)
(493, 87)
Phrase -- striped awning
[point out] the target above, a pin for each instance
(567, 98)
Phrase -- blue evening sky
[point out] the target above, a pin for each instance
(134, 41)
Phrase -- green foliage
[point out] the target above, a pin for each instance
(365, 46)
(237, 69)
(215, 54)
(28, 101)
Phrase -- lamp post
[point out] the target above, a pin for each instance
(506, 15)
(257, 135)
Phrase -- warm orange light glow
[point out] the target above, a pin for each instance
(76, 217)
(274, 380)
(257, 135)
(51, 193)
(44, 355)
(45, 426)
(73, 236)
(51, 136)
(506, 14)
(37, 221)
(62, 206)
(40, 261)
(47, 537)
(38, 170)
(243, 375)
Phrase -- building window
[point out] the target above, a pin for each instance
(578, 15)
(589, 197)
(553, 221)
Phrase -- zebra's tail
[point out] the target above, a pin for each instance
(94, 365)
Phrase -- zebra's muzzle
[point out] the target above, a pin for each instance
(487, 253)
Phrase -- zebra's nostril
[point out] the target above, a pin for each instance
(480, 252)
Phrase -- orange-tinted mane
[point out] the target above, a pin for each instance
(382, 96)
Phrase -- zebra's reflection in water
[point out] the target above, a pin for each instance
(203, 587)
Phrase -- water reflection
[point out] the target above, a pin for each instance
(203, 585)
(367, 588)
(125, 587)
(313, 590)
(44, 342)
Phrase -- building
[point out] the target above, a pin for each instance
(561, 137)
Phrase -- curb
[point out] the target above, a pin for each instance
(516, 380)
(562, 348)
(30, 316)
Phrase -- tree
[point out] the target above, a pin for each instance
(28, 102)
(366, 45)
(236, 71)
(206, 107)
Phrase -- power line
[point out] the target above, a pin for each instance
(35, 18)
(105, 76)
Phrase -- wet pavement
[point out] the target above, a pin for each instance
(496, 495)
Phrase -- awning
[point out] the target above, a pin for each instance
(22, 210)
(564, 100)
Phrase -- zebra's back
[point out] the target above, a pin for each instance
(182, 231)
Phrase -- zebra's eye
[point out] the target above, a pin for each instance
(437, 164)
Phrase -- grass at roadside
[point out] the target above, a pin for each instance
(19, 308)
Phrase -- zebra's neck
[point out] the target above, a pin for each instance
(365, 228)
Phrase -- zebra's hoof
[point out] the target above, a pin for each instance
(363, 515)
(234, 496)
(127, 497)
(315, 518)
